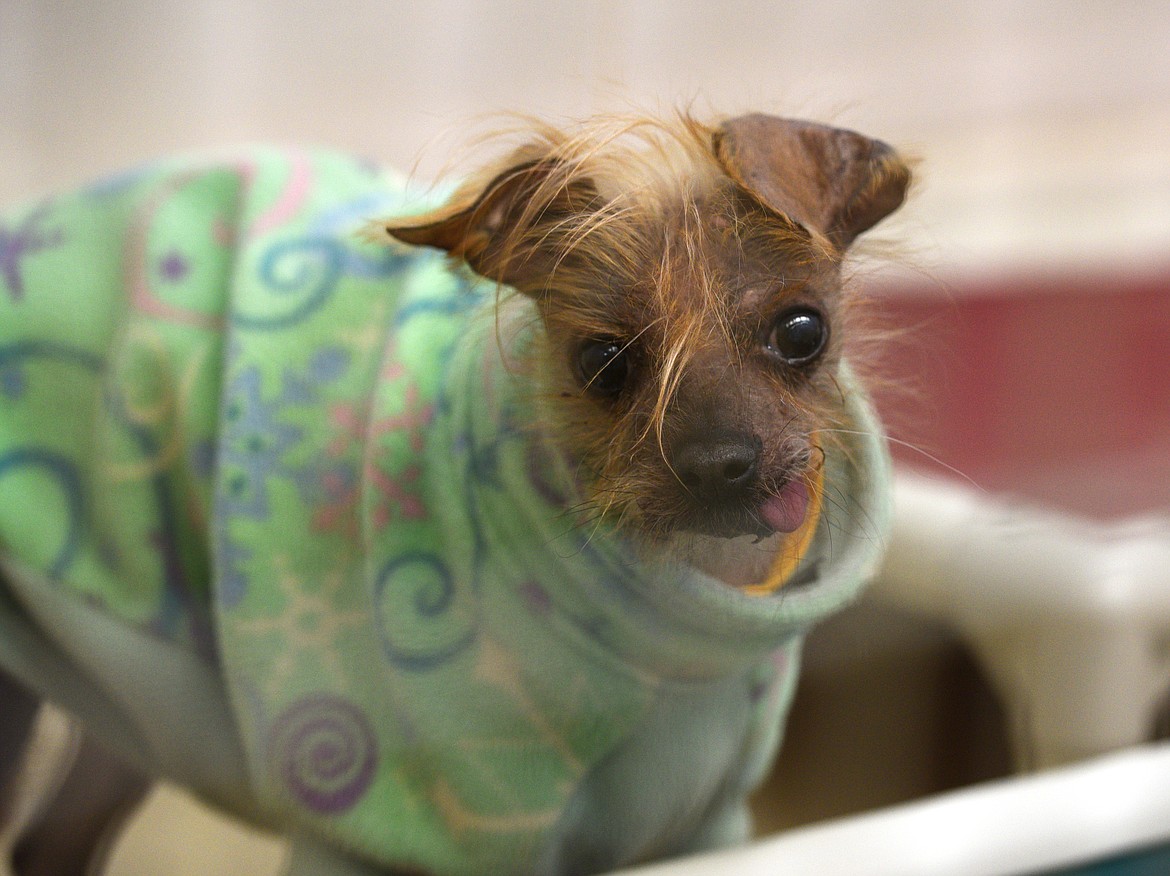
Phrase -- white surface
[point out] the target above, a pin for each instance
(1069, 618)
(1117, 803)
(175, 835)
(974, 557)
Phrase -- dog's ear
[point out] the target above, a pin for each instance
(828, 179)
(502, 229)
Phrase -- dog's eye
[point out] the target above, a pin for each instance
(604, 367)
(798, 336)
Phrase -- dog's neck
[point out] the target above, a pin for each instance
(742, 562)
(509, 501)
(510, 404)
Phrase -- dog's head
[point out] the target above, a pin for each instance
(690, 287)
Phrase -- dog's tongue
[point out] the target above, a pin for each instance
(786, 511)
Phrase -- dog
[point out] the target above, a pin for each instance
(483, 541)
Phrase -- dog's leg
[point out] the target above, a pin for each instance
(18, 710)
(665, 789)
(78, 824)
(18, 715)
(62, 797)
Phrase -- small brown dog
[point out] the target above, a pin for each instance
(445, 578)
(689, 280)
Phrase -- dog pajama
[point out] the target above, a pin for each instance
(276, 523)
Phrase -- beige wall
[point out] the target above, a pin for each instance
(1045, 126)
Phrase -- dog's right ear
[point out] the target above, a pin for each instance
(502, 229)
(835, 181)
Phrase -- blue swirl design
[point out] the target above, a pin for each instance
(180, 598)
(453, 305)
(414, 596)
(13, 361)
(66, 474)
(303, 271)
(13, 356)
(371, 262)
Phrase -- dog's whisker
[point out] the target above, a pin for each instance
(912, 447)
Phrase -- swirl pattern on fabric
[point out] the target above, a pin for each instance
(324, 751)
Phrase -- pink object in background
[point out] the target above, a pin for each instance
(1052, 387)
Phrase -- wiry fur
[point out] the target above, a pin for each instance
(669, 237)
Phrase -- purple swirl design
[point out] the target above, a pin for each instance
(325, 753)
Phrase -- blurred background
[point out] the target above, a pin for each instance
(1043, 130)
(1045, 125)
(1032, 268)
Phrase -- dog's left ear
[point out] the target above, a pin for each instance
(503, 229)
(828, 179)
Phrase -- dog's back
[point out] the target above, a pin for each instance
(121, 309)
(118, 307)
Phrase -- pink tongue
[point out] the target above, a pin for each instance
(785, 512)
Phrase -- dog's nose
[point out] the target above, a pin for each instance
(719, 466)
